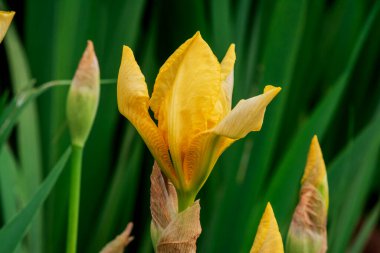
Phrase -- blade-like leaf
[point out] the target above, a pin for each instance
(11, 113)
(289, 172)
(355, 166)
(28, 136)
(9, 183)
(12, 233)
(365, 231)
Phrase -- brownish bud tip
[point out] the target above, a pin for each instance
(87, 73)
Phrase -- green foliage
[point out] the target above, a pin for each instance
(12, 233)
(322, 53)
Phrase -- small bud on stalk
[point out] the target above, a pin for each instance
(83, 98)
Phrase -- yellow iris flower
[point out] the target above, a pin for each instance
(5, 20)
(191, 101)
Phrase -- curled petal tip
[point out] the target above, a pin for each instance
(5, 20)
(231, 50)
(127, 51)
(272, 88)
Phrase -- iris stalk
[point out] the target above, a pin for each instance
(76, 168)
(82, 103)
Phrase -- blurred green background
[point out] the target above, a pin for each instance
(324, 54)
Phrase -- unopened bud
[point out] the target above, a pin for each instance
(307, 232)
(5, 20)
(83, 97)
(268, 238)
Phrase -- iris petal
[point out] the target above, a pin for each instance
(206, 147)
(186, 91)
(133, 103)
(227, 74)
(201, 156)
(5, 20)
(247, 116)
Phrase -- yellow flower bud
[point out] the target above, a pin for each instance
(83, 97)
(307, 232)
(268, 238)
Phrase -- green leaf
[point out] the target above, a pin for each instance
(222, 27)
(12, 233)
(366, 230)
(120, 200)
(355, 166)
(9, 183)
(123, 20)
(12, 188)
(291, 166)
(12, 112)
(28, 136)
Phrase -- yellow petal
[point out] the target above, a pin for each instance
(206, 147)
(247, 116)
(268, 238)
(5, 20)
(227, 74)
(201, 156)
(132, 100)
(184, 96)
(223, 105)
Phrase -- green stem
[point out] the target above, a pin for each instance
(76, 168)
(185, 199)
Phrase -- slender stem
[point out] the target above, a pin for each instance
(185, 199)
(76, 168)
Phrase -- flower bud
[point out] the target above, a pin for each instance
(307, 232)
(83, 97)
(268, 238)
(5, 20)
